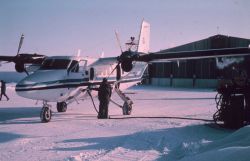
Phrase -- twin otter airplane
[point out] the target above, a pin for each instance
(64, 79)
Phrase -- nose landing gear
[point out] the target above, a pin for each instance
(46, 112)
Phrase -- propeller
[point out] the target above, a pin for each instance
(19, 66)
(118, 64)
(21, 59)
(125, 60)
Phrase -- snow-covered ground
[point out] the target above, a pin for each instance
(79, 135)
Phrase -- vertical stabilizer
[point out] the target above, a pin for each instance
(144, 37)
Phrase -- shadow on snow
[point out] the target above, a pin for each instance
(172, 144)
(13, 113)
(6, 137)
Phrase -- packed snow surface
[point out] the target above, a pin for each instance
(78, 135)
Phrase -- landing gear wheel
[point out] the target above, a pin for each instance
(61, 106)
(45, 114)
(127, 107)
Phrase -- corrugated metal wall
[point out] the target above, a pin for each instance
(199, 69)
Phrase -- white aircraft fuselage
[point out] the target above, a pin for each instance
(65, 79)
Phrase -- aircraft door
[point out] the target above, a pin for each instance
(82, 65)
(91, 73)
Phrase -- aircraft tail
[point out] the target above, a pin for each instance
(143, 45)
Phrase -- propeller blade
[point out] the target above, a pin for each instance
(26, 71)
(118, 72)
(20, 43)
(118, 40)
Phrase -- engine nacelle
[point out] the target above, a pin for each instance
(19, 67)
(127, 66)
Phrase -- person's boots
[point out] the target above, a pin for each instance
(105, 114)
(100, 115)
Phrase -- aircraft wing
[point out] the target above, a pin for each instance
(24, 58)
(104, 65)
(165, 56)
(21, 60)
(105, 61)
(7, 58)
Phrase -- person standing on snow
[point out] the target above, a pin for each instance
(3, 90)
(104, 94)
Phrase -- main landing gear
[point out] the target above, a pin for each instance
(127, 105)
(61, 106)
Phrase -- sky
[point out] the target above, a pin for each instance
(61, 27)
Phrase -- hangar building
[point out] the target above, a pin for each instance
(199, 73)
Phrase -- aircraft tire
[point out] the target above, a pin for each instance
(45, 114)
(61, 106)
(127, 108)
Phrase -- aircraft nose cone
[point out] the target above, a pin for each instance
(36, 85)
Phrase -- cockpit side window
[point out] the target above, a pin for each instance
(47, 63)
(74, 66)
(55, 64)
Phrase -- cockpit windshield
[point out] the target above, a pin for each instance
(55, 64)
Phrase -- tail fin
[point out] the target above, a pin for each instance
(144, 37)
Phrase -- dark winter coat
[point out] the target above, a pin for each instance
(104, 92)
(3, 87)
